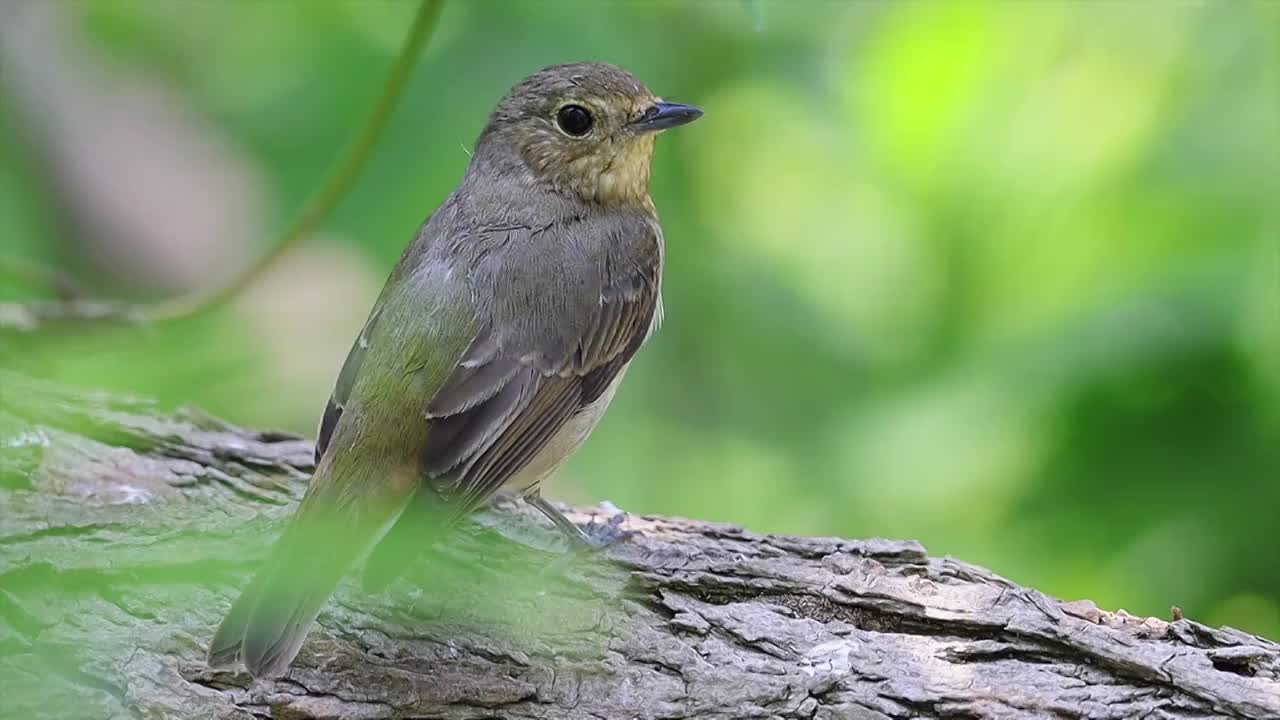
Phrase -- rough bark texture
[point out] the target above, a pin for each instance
(126, 533)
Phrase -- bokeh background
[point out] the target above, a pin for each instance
(1004, 277)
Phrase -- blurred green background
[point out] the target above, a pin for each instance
(1001, 277)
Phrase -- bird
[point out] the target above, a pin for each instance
(493, 350)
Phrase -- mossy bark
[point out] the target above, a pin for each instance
(126, 532)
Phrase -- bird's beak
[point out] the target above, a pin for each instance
(665, 115)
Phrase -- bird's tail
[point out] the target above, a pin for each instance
(268, 623)
(420, 525)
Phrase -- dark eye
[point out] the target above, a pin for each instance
(574, 119)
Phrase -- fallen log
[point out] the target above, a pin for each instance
(126, 532)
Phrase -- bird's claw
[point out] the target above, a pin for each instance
(599, 535)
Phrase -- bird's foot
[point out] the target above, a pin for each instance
(599, 535)
(594, 536)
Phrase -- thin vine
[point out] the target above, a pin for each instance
(338, 183)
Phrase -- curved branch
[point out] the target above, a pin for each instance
(336, 185)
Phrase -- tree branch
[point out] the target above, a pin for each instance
(126, 533)
(346, 170)
(338, 183)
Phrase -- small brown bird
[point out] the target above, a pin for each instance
(492, 352)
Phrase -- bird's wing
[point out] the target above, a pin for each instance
(543, 354)
(550, 344)
(411, 259)
(565, 309)
(342, 388)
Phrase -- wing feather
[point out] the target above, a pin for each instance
(518, 384)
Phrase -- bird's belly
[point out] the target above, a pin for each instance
(564, 443)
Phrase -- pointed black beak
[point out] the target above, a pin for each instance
(665, 115)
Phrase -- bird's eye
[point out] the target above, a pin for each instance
(574, 120)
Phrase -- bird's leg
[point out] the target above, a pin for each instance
(572, 531)
(595, 535)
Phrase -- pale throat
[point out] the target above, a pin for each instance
(620, 178)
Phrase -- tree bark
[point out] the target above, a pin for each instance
(126, 532)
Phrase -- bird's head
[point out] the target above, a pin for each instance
(586, 128)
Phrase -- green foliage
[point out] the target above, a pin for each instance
(1001, 277)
